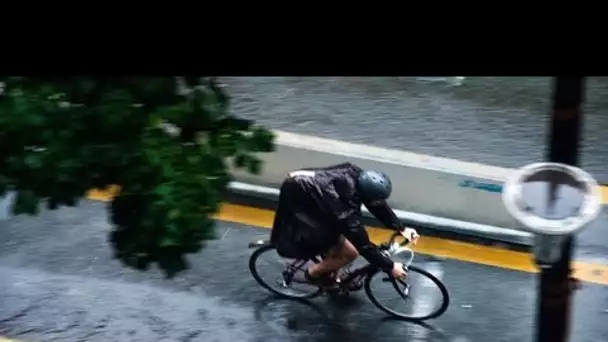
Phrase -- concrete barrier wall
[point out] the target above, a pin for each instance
(437, 193)
(422, 184)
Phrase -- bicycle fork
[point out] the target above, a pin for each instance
(404, 293)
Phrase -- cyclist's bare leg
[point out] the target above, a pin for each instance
(340, 255)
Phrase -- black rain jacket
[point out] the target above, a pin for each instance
(333, 189)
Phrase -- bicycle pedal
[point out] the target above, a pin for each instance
(282, 282)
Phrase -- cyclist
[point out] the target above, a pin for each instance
(319, 212)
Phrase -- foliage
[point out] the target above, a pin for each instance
(60, 137)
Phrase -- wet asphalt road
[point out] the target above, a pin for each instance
(59, 283)
(492, 120)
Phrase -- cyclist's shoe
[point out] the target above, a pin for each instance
(326, 281)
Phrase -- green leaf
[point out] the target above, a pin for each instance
(254, 165)
(26, 202)
(263, 140)
(4, 184)
(240, 160)
(173, 214)
(168, 242)
(33, 160)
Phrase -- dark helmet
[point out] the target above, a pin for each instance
(374, 185)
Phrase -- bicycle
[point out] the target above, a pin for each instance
(350, 281)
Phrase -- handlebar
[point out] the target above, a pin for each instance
(394, 248)
(391, 241)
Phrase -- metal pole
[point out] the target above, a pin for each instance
(556, 285)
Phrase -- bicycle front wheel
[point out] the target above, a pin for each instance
(272, 272)
(418, 297)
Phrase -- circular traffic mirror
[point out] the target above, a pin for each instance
(552, 198)
(552, 195)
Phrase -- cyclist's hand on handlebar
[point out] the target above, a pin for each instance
(398, 271)
(411, 234)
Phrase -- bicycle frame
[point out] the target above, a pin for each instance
(391, 248)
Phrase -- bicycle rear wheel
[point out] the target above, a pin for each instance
(422, 291)
(282, 280)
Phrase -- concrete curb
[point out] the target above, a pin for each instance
(438, 224)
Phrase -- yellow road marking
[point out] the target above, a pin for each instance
(463, 251)
(102, 195)
(105, 195)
